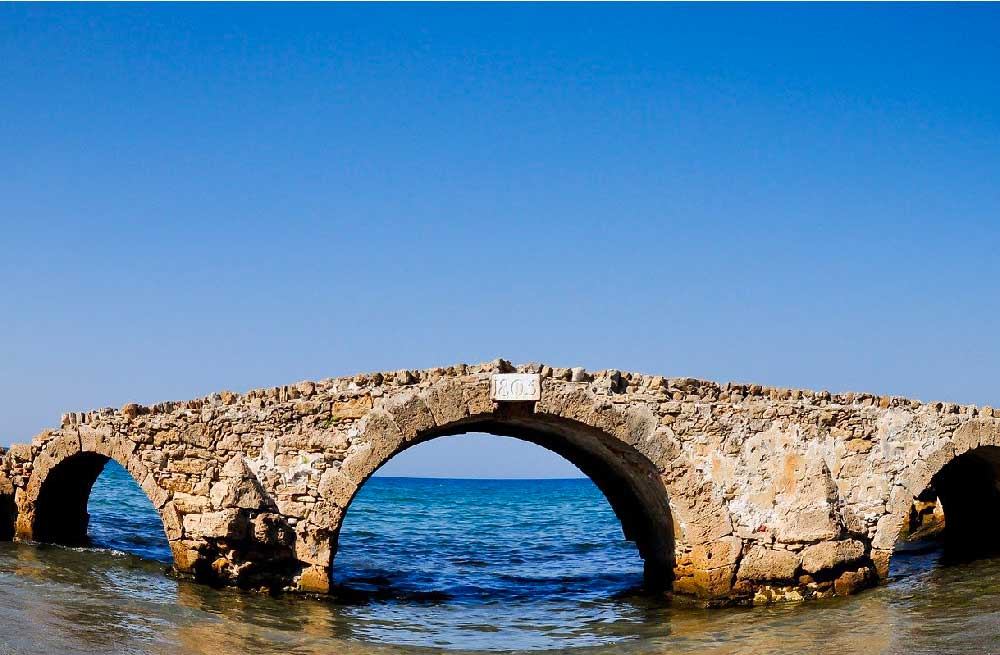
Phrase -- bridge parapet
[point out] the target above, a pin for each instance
(732, 492)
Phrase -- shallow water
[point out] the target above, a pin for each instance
(463, 565)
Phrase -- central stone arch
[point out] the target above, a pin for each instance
(601, 440)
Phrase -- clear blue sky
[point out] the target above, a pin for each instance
(197, 198)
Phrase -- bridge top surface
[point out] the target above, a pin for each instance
(630, 385)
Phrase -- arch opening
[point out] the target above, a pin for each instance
(628, 481)
(89, 499)
(960, 508)
(8, 516)
(61, 515)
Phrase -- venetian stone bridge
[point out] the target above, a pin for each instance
(732, 493)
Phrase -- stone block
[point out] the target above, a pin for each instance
(314, 579)
(763, 564)
(348, 408)
(850, 582)
(224, 524)
(706, 584)
(722, 552)
(831, 554)
(236, 492)
(806, 525)
(410, 413)
(335, 487)
(186, 555)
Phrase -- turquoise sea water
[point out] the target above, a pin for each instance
(463, 565)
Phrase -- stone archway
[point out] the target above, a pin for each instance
(630, 485)
(53, 505)
(611, 445)
(970, 496)
(963, 471)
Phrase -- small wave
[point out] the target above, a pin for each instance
(114, 552)
(345, 594)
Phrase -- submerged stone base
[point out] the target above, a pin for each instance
(767, 574)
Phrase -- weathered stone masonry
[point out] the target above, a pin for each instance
(732, 492)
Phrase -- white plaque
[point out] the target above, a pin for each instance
(516, 386)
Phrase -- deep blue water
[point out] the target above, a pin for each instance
(435, 539)
(470, 541)
(522, 563)
(525, 563)
(123, 519)
(460, 565)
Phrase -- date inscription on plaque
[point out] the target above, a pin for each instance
(516, 386)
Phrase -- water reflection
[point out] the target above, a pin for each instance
(58, 600)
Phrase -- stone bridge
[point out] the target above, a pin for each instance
(732, 493)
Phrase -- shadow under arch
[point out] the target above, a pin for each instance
(968, 489)
(955, 502)
(8, 515)
(628, 480)
(54, 508)
(61, 514)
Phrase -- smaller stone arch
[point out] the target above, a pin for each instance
(968, 490)
(52, 507)
(963, 472)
